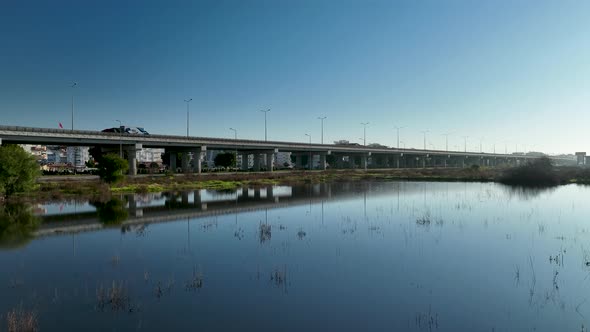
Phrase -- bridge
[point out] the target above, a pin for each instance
(263, 152)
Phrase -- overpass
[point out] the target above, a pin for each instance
(343, 155)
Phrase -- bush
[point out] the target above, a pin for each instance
(539, 172)
(111, 168)
(225, 159)
(18, 170)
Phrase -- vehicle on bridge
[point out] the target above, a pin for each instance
(126, 130)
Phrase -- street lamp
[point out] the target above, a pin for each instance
(236, 152)
(322, 118)
(120, 141)
(310, 164)
(480, 141)
(265, 111)
(447, 140)
(187, 103)
(465, 141)
(398, 128)
(424, 132)
(74, 84)
(364, 132)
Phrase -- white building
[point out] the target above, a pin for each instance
(150, 155)
(77, 155)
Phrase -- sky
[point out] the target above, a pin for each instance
(514, 74)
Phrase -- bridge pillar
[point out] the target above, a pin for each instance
(184, 198)
(256, 162)
(245, 160)
(423, 161)
(132, 158)
(172, 162)
(323, 163)
(197, 159)
(339, 162)
(364, 162)
(270, 161)
(0, 141)
(185, 162)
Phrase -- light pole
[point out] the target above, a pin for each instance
(120, 136)
(322, 118)
(465, 141)
(364, 132)
(424, 132)
(480, 141)
(265, 111)
(236, 151)
(310, 164)
(74, 84)
(398, 128)
(187, 103)
(447, 140)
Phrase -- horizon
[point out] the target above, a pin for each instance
(509, 74)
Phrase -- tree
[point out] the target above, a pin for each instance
(18, 170)
(17, 223)
(112, 212)
(225, 159)
(111, 168)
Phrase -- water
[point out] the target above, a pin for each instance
(375, 256)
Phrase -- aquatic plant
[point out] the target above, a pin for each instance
(19, 320)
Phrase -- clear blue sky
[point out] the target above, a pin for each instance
(516, 71)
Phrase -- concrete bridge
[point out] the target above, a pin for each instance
(263, 151)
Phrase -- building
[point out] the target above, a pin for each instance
(150, 155)
(77, 156)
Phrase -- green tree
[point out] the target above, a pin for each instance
(111, 168)
(225, 159)
(18, 170)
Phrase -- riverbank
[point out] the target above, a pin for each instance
(85, 187)
(50, 187)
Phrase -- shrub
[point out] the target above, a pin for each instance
(18, 170)
(539, 172)
(111, 168)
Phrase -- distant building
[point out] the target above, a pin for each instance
(581, 158)
(150, 155)
(77, 156)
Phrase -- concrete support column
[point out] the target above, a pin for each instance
(172, 162)
(245, 158)
(323, 163)
(132, 158)
(364, 162)
(0, 141)
(256, 162)
(423, 161)
(197, 159)
(270, 161)
(185, 162)
(184, 198)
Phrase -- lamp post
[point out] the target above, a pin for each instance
(310, 161)
(447, 140)
(322, 118)
(120, 136)
(480, 142)
(265, 111)
(364, 132)
(236, 147)
(465, 141)
(187, 101)
(398, 128)
(424, 132)
(74, 84)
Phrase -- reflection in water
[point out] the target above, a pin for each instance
(397, 256)
(112, 212)
(526, 193)
(17, 223)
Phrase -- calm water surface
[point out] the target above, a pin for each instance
(392, 256)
